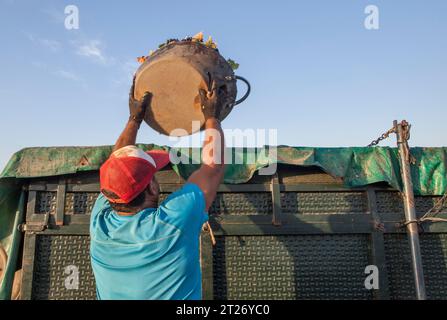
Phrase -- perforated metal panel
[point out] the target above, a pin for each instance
(291, 267)
(322, 256)
(250, 203)
(80, 202)
(434, 260)
(391, 202)
(323, 202)
(53, 266)
(45, 202)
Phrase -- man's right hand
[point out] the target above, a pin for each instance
(138, 108)
(212, 102)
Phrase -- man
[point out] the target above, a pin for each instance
(141, 249)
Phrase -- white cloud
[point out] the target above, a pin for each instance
(61, 72)
(52, 45)
(93, 49)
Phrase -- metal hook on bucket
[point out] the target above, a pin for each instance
(248, 88)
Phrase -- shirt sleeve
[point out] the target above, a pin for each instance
(101, 203)
(185, 208)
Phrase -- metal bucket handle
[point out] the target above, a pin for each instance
(234, 77)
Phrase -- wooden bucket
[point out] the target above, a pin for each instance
(174, 74)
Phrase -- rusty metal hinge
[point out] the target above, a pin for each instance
(33, 227)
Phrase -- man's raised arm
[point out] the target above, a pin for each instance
(210, 174)
(137, 111)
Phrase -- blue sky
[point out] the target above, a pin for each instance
(318, 76)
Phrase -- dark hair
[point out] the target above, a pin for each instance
(132, 207)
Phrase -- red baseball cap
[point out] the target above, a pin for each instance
(129, 170)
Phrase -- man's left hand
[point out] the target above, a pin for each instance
(138, 108)
(212, 102)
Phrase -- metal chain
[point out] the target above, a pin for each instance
(382, 137)
(406, 137)
(441, 203)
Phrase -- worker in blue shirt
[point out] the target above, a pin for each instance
(140, 248)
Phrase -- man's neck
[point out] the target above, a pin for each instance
(126, 214)
(151, 205)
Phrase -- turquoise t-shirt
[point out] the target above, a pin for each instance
(153, 254)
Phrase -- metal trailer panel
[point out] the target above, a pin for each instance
(276, 239)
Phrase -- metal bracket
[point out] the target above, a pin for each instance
(276, 200)
(33, 227)
(377, 247)
(60, 202)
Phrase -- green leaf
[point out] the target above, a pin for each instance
(233, 64)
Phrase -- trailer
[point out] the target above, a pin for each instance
(328, 223)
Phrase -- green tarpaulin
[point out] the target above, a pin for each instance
(355, 166)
